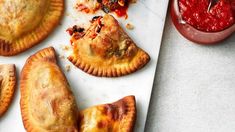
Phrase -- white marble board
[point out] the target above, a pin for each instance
(148, 17)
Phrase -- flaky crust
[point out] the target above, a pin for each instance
(108, 53)
(119, 116)
(25, 23)
(7, 86)
(47, 104)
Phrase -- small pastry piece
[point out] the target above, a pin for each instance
(24, 23)
(46, 102)
(104, 49)
(116, 117)
(91, 6)
(7, 86)
(130, 26)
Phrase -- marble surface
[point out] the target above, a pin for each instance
(90, 90)
(194, 87)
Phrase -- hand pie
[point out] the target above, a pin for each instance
(47, 104)
(7, 86)
(117, 6)
(104, 49)
(116, 117)
(24, 23)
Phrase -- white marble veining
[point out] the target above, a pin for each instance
(194, 89)
(148, 17)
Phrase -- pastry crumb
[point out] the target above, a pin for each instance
(67, 14)
(61, 56)
(67, 68)
(65, 48)
(129, 26)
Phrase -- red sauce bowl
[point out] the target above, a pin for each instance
(195, 35)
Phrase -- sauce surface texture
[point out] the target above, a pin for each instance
(219, 17)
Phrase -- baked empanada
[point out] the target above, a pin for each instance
(116, 117)
(104, 49)
(46, 102)
(7, 86)
(24, 23)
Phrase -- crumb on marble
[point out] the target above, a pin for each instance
(129, 26)
(61, 57)
(67, 68)
(65, 48)
(67, 14)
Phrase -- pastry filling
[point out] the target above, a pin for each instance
(118, 6)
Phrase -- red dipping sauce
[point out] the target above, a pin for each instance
(197, 14)
(122, 11)
(201, 24)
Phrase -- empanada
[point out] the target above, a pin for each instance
(7, 86)
(46, 102)
(24, 23)
(104, 49)
(116, 117)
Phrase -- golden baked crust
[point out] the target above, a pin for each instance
(47, 104)
(24, 23)
(104, 49)
(116, 117)
(7, 86)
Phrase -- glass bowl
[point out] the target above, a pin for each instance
(193, 34)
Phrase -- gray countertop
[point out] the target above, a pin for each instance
(194, 87)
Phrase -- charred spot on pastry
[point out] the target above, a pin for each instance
(1, 79)
(102, 124)
(117, 110)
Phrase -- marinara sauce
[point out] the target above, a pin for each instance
(202, 16)
(203, 23)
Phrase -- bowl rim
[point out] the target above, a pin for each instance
(176, 8)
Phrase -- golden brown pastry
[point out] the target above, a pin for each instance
(119, 116)
(24, 23)
(47, 104)
(7, 86)
(104, 49)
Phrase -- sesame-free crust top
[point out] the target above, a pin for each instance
(25, 23)
(119, 116)
(47, 103)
